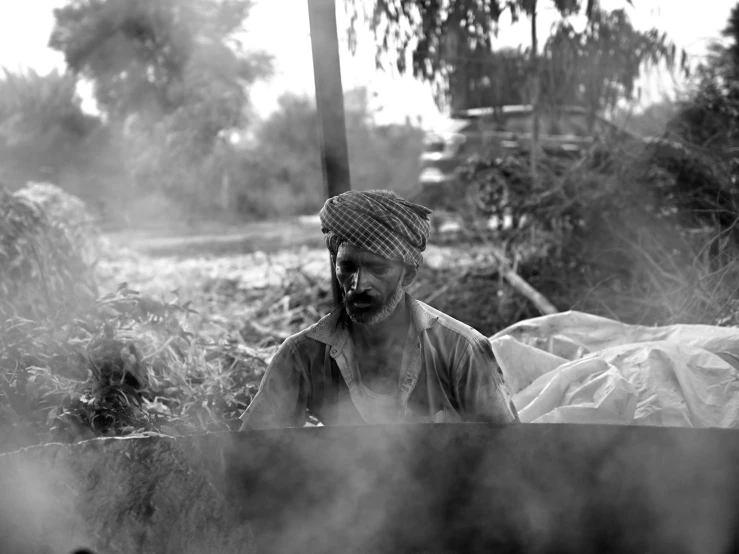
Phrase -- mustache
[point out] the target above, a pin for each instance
(362, 298)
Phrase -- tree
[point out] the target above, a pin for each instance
(709, 119)
(595, 67)
(284, 165)
(446, 38)
(442, 35)
(598, 66)
(490, 78)
(152, 57)
(172, 78)
(43, 131)
(731, 32)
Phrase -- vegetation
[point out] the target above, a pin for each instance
(96, 341)
(452, 47)
(283, 169)
(75, 365)
(632, 231)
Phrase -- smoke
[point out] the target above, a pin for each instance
(462, 488)
(37, 511)
(115, 496)
(476, 488)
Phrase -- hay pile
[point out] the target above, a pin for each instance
(74, 365)
(43, 270)
(70, 214)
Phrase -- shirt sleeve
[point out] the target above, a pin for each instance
(283, 393)
(480, 388)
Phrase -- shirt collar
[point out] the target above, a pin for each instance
(332, 328)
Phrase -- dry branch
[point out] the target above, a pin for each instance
(519, 283)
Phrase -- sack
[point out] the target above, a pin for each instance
(574, 367)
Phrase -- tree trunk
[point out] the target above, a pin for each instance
(330, 103)
(225, 192)
(535, 90)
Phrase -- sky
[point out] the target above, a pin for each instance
(25, 28)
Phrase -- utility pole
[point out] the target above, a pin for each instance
(535, 100)
(330, 102)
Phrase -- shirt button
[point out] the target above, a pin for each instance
(334, 351)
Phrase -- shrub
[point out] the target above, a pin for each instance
(643, 232)
(74, 366)
(124, 365)
(282, 172)
(42, 270)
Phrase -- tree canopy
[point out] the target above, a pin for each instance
(451, 44)
(600, 65)
(433, 30)
(710, 117)
(172, 79)
(155, 57)
(43, 131)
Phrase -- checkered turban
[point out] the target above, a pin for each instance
(378, 221)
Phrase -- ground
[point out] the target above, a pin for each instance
(229, 274)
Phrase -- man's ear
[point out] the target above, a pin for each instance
(410, 275)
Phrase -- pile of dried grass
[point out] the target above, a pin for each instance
(75, 366)
(42, 272)
(68, 214)
(298, 302)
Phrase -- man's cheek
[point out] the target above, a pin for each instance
(342, 279)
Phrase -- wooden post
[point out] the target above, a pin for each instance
(330, 103)
(535, 94)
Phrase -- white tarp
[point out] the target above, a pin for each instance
(574, 367)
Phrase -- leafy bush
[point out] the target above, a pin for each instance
(282, 172)
(45, 135)
(74, 366)
(644, 232)
(125, 365)
(709, 117)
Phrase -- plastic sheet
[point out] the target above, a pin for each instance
(574, 367)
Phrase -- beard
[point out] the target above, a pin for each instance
(374, 315)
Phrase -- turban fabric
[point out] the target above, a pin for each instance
(378, 221)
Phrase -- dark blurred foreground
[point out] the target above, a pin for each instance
(450, 488)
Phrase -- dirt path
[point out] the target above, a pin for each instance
(264, 236)
(253, 255)
(267, 236)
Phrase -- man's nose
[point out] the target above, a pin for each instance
(361, 281)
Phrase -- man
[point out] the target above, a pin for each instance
(382, 356)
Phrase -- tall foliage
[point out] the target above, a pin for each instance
(44, 133)
(594, 67)
(172, 78)
(444, 38)
(283, 170)
(710, 117)
(154, 57)
(449, 41)
(599, 66)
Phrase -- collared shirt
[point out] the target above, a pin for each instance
(448, 374)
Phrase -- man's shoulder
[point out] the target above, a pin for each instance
(325, 330)
(445, 326)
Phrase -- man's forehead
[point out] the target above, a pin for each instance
(350, 252)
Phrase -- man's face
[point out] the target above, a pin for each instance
(372, 285)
